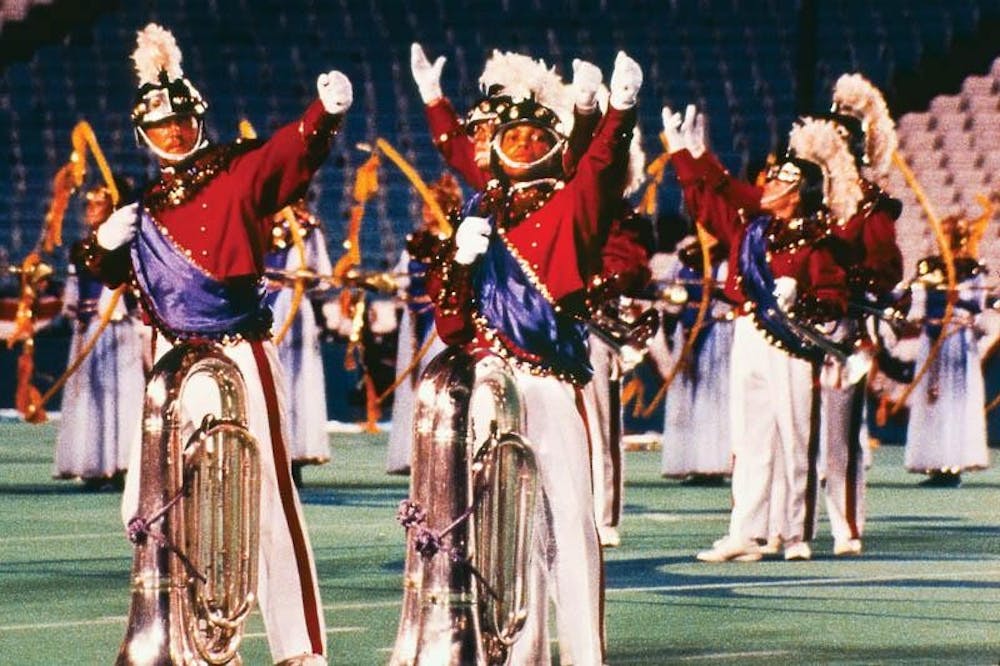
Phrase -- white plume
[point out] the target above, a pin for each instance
(819, 142)
(156, 50)
(521, 76)
(855, 95)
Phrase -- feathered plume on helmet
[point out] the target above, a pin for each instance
(520, 77)
(163, 91)
(854, 95)
(819, 142)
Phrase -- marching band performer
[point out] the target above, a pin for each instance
(946, 433)
(783, 280)
(416, 326)
(866, 247)
(193, 249)
(515, 282)
(298, 349)
(625, 255)
(696, 439)
(102, 400)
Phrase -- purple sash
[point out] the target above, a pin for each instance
(187, 302)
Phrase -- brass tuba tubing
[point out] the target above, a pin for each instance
(449, 614)
(194, 576)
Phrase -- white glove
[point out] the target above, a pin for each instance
(626, 79)
(785, 290)
(858, 365)
(120, 228)
(471, 239)
(427, 76)
(335, 92)
(693, 130)
(630, 357)
(672, 129)
(587, 78)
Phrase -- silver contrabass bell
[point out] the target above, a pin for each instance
(196, 531)
(469, 518)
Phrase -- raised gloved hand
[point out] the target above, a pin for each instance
(120, 228)
(471, 239)
(693, 130)
(426, 75)
(626, 79)
(785, 291)
(587, 79)
(335, 92)
(672, 121)
(630, 357)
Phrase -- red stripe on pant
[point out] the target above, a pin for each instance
(286, 492)
(578, 394)
(615, 446)
(854, 460)
(811, 476)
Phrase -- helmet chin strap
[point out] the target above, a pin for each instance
(199, 143)
(771, 198)
(515, 164)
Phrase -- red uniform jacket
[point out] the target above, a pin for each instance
(866, 245)
(560, 243)
(721, 203)
(217, 206)
(625, 257)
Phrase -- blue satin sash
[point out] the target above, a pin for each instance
(515, 307)
(185, 300)
(937, 302)
(691, 278)
(758, 287)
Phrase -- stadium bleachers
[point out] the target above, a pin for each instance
(734, 58)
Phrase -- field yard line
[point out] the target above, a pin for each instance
(63, 625)
(329, 630)
(363, 605)
(660, 588)
(120, 619)
(63, 537)
(808, 581)
(731, 655)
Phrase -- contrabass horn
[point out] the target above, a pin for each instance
(469, 517)
(196, 530)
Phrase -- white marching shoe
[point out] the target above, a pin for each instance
(772, 546)
(609, 536)
(729, 549)
(798, 551)
(847, 548)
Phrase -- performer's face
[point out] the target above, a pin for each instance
(524, 143)
(98, 208)
(482, 134)
(781, 190)
(175, 135)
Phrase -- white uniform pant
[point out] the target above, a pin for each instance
(843, 455)
(565, 563)
(775, 445)
(604, 411)
(287, 588)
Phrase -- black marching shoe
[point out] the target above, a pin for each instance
(941, 479)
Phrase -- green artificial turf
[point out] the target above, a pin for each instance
(926, 590)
